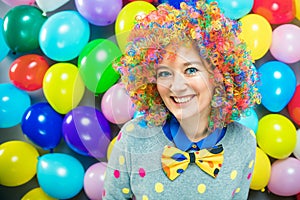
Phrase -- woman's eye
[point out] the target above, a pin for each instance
(163, 74)
(191, 70)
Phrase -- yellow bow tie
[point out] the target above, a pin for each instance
(175, 162)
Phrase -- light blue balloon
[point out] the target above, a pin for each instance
(234, 9)
(277, 85)
(64, 35)
(4, 49)
(250, 120)
(60, 175)
(13, 104)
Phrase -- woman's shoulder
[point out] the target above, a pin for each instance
(239, 133)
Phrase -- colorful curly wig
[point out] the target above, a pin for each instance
(214, 35)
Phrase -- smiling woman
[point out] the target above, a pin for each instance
(191, 76)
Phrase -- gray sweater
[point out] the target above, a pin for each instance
(134, 169)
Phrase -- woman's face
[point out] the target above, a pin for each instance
(183, 83)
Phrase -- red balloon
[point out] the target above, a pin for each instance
(275, 11)
(298, 196)
(294, 106)
(27, 72)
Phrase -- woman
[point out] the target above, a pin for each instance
(191, 76)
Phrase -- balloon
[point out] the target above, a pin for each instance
(261, 171)
(60, 175)
(176, 3)
(257, 33)
(126, 17)
(294, 106)
(36, 194)
(94, 180)
(21, 28)
(63, 35)
(278, 84)
(100, 12)
(250, 120)
(284, 180)
(95, 65)
(234, 9)
(27, 72)
(18, 161)
(4, 49)
(110, 147)
(297, 5)
(42, 125)
(63, 87)
(296, 151)
(284, 43)
(116, 105)
(14, 3)
(13, 104)
(275, 11)
(276, 135)
(87, 131)
(48, 6)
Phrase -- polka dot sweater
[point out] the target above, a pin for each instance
(134, 170)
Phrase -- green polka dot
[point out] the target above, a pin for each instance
(145, 197)
(237, 190)
(251, 164)
(125, 190)
(159, 187)
(252, 133)
(201, 188)
(121, 160)
(233, 174)
(129, 127)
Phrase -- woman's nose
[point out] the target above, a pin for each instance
(178, 83)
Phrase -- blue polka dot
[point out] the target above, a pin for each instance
(179, 171)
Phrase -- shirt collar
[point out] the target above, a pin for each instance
(174, 132)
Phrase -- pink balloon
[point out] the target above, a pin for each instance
(285, 43)
(116, 105)
(284, 180)
(14, 3)
(94, 180)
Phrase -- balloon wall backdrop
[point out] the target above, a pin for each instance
(61, 106)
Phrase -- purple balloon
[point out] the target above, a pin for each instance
(99, 12)
(87, 131)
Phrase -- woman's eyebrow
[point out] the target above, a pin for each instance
(192, 63)
(162, 67)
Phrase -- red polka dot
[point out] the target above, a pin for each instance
(197, 152)
(103, 193)
(233, 192)
(220, 165)
(249, 176)
(117, 173)
(119, 136)
(142, 172)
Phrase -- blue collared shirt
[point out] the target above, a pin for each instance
(174, 133)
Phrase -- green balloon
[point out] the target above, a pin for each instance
(95, 65)
(21, 28)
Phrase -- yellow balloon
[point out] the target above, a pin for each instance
(262, 171)
(110, 147)
(276, 135)
(63, 87)
(18, 161)
(126, 17)
(257, 34)
(297, 5)
(36, 194)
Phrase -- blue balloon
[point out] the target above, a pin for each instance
(176, 3)
(250, 120)
(60, 175)
(4, 49)
(13, 104)
(42, 125)
(64, 35)
(278, 84)
(234, 9)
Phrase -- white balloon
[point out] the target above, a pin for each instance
(50, 5)
(296, 151)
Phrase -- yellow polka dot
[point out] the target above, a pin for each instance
(129, 127)
(125, 190)
(233, 174)
(201, 188)
(251, 164)
(159, 187)
(252, 133)
(145, 197)
(121, 160)
(237, 190)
